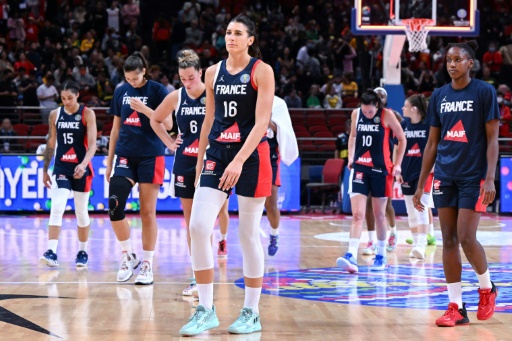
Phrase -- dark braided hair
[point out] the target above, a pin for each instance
(469, 47)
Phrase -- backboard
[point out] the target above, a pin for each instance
(452, 17)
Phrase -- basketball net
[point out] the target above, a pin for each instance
(417, 32)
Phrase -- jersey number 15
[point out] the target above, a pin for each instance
(68, 138)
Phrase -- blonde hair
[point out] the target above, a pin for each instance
(188, 58)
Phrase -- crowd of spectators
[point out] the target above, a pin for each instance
(318, 62)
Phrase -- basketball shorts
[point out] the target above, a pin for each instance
(458, 193)
(83, 184)
(275, 162)
(148, 169)
(378, 185)
(409, 187)
(182, 186)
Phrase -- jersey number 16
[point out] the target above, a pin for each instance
(230, 109)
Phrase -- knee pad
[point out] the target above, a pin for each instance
(118, 192)
(59, 200)
(81, 212)
(250, 212)
(423, 216)
(412, 213)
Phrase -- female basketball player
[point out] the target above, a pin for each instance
(188, 104)
(135, 154)
(372, 171)
(416, 132)
(463, 142)
(73, 128)
(240, 92)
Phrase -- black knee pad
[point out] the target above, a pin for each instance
(119, 190)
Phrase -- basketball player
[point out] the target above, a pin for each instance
(416, 132)
(283, 146)
(463, 142)
(372, 171)
(72, 129)
(371, 248)
(240, 92)
(188, 105)
(135, 155)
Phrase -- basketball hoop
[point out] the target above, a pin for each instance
(417, 31)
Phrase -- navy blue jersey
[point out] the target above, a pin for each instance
(235, 104)
(136, 137)
(372, 150)
(72, 144)
(461, 115)
(417, 136)
(189, 117)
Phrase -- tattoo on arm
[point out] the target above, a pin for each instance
(48, 155)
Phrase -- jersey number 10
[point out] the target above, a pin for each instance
(367, 140)
(230, 109)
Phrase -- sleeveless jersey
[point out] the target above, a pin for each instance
(235, 104)
(372, 150)
(136, 137)
(189, 117)
(72, 145)
(417, 136)
(461, 115)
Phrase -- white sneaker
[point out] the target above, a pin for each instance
(418, 252)
(128, 264)
(191, 289)
(371, 249)
(145, 276)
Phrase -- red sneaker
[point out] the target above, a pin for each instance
(223, 249)
(487, 303)
(453, 316)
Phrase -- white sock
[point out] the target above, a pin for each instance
(371, 235)
(274, 232)
(353, 246)
(52, 245)
(393, 229)
(381, 247)
(148, 256)
(82, 246)
(126, 246)
(455, 293)
(205, 292)
(431, 229)
(485, 280)
(223, 236)
(414, 238)
(252, 298)
(422, 239)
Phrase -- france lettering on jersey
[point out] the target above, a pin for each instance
(235, 104)
(461, 115)
(372, 151)
(72, 145)
(417, 136)
(189, 117)
(136, 137)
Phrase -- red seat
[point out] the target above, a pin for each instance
(323, 133)
(337, 129)
(306, 145)
(351, 104)
(21, 126)
(299, 128)
(303, 133)
(337, 120)
(331, 181)
(315, 120)
(325, 146)
(315, 129)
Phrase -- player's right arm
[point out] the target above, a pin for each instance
(50, 148)
(209, 117)
(160, 115)
(352, 139)
(114, 136)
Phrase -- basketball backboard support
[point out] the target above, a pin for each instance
(451, 17)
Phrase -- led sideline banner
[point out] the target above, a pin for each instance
(506, 185)
(21, 187)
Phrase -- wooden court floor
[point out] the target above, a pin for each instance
(305, 297)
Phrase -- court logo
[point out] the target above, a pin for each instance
(400, 286)
(245, 78)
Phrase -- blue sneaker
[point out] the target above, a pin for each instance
(202, 319)
(81, 259)
(380, 263)
(347, 263)
(272, 247)
(246, 323)
(49, 258)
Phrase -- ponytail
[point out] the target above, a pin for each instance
(137, 62)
